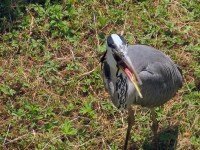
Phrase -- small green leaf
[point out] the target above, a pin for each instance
(67, 128)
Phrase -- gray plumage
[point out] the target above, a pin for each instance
(138, 75)
(160, 77)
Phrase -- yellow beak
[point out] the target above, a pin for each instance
(124, 64)
(133, 79)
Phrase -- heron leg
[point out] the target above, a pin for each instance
(131, 120)
(154, 126)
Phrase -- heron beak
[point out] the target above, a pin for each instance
(129, 70)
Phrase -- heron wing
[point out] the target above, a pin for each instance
(160, 83)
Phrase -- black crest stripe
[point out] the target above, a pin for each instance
(110, 42)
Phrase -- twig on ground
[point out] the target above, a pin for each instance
(87, 73)
(6, 134)
(98, 43)
(122, 32)
(50, 141)
(16, 139)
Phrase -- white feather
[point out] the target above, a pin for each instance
(117, 40)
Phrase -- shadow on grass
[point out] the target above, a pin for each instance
(10, 11)
(166, 140)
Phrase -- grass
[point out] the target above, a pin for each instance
(51, 90)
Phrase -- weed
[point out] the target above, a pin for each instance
(87, 108)
(67, 128)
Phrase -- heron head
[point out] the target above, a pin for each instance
(118, 48)
(116, 44)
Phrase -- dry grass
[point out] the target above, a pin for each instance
(51, 91)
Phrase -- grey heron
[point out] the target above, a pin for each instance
(138, 74)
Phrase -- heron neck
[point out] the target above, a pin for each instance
(111, 61)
